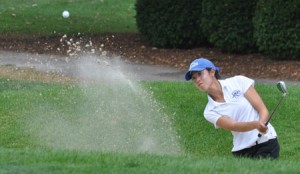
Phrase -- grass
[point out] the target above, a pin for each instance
(62, 162)
(207, 150)
(44, 17)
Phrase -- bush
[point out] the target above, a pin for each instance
(228, 24)
(170, 23)
(277, 28)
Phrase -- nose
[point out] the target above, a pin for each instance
(197, 79)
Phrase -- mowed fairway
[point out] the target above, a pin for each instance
(44, 17)
(204, 149)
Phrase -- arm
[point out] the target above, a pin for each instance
(255, 100)
(229, 124)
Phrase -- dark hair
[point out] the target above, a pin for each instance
(217, 75)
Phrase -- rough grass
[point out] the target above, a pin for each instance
(206, 150)
(41, 161)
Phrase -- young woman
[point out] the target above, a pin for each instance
(234, 104)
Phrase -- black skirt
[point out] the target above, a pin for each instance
(269, 149)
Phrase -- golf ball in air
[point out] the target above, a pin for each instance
(65, 14)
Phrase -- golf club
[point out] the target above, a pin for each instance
(282, 88)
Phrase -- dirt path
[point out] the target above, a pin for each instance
(24, 65)
(58, 68)
(133, 48)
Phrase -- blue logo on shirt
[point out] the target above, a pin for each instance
(236, 94)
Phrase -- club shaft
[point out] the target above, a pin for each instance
(275, 109)
(281, 86)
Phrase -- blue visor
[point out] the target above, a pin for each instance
(200, 64)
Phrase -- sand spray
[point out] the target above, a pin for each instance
(112, 113)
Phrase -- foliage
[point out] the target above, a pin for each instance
(228, 24)
(277, 28)
(170, 23)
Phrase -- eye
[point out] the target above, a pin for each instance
(195, 75)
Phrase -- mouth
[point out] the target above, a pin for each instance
(200, 84)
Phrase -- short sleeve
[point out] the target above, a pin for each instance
(212, 117)
(210, 114)
(244, 82)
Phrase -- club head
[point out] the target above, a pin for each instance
(282, 87)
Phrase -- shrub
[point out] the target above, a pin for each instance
(228, 24)
(170, 23)
(277, 28)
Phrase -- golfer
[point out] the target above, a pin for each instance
(234, 104)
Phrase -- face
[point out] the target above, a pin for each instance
(203, 79)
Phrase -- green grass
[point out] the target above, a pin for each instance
(44, 17)
(78, 162)
(206, 150)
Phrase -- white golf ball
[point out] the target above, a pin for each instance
(65, 14)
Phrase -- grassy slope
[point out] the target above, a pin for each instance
(208, 150)
(86, 17)
(37, 161)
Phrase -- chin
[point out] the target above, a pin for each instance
(202, 89)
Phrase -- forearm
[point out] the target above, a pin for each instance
(229, 124)
(244, 126)
(263, 116)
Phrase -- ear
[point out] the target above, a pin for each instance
(212, 72)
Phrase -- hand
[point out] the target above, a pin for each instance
(261, 127)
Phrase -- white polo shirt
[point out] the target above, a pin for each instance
(238, 108)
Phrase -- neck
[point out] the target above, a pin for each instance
(216, 92)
